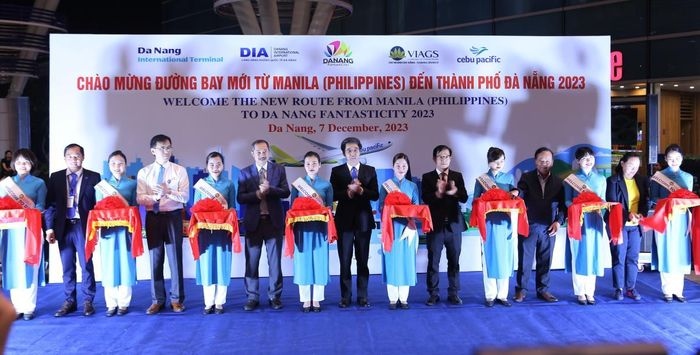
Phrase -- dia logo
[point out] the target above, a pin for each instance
(254, 52)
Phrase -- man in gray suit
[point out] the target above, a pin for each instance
(261, 188)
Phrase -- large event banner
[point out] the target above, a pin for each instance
(396, 93)
(302, 93)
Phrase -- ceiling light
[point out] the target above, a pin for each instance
(692, 87)
(662, 84)
(636, 87)
(622, 86)
(675, 85)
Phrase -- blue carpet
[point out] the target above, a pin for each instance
(377, 330)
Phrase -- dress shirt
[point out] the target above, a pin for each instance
(174, 176)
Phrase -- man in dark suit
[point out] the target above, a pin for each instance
(70, 197)
(354, 186)
(261, 188)
(635, 205)
(544, 198)
(443, 190)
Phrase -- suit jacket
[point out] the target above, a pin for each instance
(543, 208)
(57, 199)
(354, 213)
(248, 185)
(445, 210)
(616, 191)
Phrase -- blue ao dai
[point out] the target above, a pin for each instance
(587, 254)
(399, 264)
(17, 273)
(311, 240)
(118, 264)
(499, 247)
(215, 247)
(671, 251)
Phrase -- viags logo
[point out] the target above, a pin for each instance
(254, 53)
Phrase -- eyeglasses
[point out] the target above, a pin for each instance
(165, 149)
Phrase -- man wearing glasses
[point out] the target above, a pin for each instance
(443, 190)
(163, 188)
(70, 197)
(354, 186)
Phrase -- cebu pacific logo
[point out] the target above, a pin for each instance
(338, 53)
(478, 58)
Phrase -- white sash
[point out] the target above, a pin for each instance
(486, 182)
(9, 187)
(209, 191)
(390, 186)
(305, 190)
(665, 182)
(108, 190)
(576, 183)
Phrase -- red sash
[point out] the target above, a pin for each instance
(398, 205)
(497, 200)
(588, 201)
(112, 211)
(208, 213)
(677, 200)
(307, 209)
(12, 215)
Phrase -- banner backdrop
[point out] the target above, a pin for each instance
(396, 93)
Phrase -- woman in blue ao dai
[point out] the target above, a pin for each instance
(20, 278)
(118, 264)
(311, 271)
(399, 264)
(671, 253)
(213, 268)
(498, 250)
(584, 258)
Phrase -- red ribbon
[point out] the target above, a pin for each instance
(588, 201)
(307, 209)
(420, 212)
(9, 218)
(208, 213)
(497, 200)
(116, 217)
(679, 199)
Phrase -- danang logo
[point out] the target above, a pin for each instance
(478, 58)
(338, 53)
(158, 50)
(419, 56)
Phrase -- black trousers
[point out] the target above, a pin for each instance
(452, 242)
(538, 246)
(359, 241)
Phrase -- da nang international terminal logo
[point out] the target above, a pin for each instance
(338, 53)
(399, 55)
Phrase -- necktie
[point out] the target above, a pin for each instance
(353, 173)
(161, 172)
(263, 201)
(443, 176)
(72, 185)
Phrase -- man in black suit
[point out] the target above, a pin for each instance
(70, 197)
(261, 188)
(443, 190)
(544, 198)
(354, 186)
